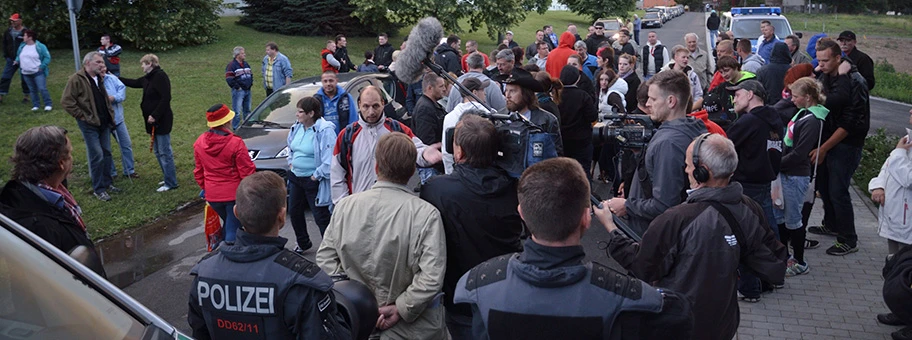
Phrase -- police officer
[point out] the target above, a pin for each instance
(256, 289)
(548, 291)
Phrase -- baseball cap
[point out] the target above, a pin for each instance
(750, 85)
(599, 25)
(474, 84)
(510, 32)
(846, 35)
(15, 16)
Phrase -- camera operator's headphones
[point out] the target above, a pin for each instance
(700, 173)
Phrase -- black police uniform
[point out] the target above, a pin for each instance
(256, 289)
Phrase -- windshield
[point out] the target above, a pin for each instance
(652, 15)
(280, 107)
(611, 25)
(750, 28)
(39, 299)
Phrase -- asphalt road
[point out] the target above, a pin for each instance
(153, 263)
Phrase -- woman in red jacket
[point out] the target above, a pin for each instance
(222, 162)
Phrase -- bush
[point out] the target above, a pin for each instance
(876, 150)
(148, 25)
(891, 84)
(308, 18)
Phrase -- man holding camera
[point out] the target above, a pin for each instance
(659, 182)
(520, 92)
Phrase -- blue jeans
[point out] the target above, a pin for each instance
(37, 84)
(225, 210)
(301, 195)
(636, 36)
(240, 103)
(834, 182)
(8, 72)
(126, 150)
(162, 149)
(712, 38)
(98, 148)
(793, 190)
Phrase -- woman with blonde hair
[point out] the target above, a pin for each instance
(803, 134)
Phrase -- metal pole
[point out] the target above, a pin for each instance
(72, 10)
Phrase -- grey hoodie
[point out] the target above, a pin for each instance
(660, 180)
(752, 63)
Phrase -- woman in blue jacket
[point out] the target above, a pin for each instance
(310, 145)
(33, 58)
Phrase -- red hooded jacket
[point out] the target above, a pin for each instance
(711, 126)
(221, 162)
(557, 59)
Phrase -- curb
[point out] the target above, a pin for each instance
(866, 200)
(890, 101)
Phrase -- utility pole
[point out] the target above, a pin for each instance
(74, 6)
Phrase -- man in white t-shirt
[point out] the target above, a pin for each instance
(477, 87)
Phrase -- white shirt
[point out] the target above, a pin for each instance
(449, 121)
(29, 60)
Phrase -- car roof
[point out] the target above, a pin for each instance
(343, 78)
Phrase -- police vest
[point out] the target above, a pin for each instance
(246, 300)
(586, 309)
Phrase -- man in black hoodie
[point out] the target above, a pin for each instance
(341, 54)
(383, 54)
(448, 56)
(757, 136)
(478, 205)
(772, 75)
(578, 111)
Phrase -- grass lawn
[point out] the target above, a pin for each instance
(197, 81)
(832, 24)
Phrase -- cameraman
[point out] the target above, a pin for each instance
(659, 181)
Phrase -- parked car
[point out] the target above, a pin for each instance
(744, 22)
(48, 294)
(652, 19)
(266, 130)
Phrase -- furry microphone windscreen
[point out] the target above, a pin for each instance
(421, 43)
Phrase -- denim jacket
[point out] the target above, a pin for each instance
(281, 68)
(115, 88)
(325, 141)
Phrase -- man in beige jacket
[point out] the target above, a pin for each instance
(393, 242)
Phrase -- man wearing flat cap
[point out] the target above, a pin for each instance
(520, 89)
(862, 61)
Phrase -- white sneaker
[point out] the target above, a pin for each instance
(163, 188)
(35, 108)
(48, 108)
(161, 183)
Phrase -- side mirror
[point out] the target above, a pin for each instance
(799, 34)
(89, 258)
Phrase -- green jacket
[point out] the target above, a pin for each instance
(78, 100)
(43, 54)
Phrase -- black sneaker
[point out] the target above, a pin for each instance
(103, 195)
(890, 319)
(821, 230)
(811, 244)
(902, 334)
(840, 249)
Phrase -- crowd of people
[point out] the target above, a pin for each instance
(736, 129)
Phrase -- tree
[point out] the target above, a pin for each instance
(149, 25)
(308, 18)
(496, 15)
(596, 9)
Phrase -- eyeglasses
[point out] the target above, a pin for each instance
(599, 28)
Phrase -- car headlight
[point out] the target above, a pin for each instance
(284, 153)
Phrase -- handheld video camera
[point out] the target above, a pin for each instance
(630, 130)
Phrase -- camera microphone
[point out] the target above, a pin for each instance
(421, 43)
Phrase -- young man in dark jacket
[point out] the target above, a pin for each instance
(447, 55)
(695, 248)
(279, 294)
(12, 37)
(839, 155)
(383, 54)
(757, 137)
(772, 75)
(477, 203)
(548, 291)
(428, 119)
(578, 111)
(341, 54)
(36, 196)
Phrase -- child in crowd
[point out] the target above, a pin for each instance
(892, 189)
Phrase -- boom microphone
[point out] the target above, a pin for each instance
(421, 43)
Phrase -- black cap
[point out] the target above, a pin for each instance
(750, 85)
(846, 35)
(599, 25)
(521, 78)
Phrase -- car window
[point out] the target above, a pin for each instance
(652, 15)
(750, 27)
(611, 25)
(40, 299)
(356, 88)
(280, 107)
(389, 85)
